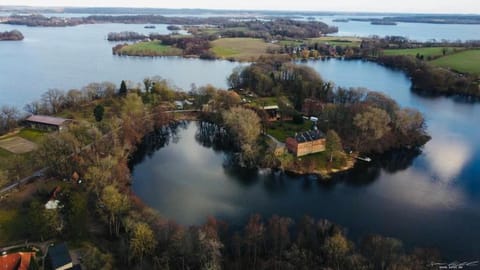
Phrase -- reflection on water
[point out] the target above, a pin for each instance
(187, 180)
(447, 156)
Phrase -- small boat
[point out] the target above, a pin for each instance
(149, 26)
(366, 159)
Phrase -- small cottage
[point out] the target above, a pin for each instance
(49, 123)
(306, 143)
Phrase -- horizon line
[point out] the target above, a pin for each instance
(241, 10)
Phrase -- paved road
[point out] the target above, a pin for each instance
(34, 176)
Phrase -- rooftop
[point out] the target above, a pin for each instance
(59, 255)
(49, 120)
(308, 136)
(16, 261)
(273, 107)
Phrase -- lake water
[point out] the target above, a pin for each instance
(413, 31)
(432, 199)
(72, 57)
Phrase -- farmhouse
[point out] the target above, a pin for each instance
(306, 143)
(47, 122)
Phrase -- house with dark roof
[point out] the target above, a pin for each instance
(44, 122)
(305, 143)
(59, 257)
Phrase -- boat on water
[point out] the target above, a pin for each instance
(149, 26)
(366, 159)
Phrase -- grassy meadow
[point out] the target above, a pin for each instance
(426, 51)
(337, 41)
(150, 48)
(465, 62)
(242, 49)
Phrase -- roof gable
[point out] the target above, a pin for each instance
(48, 120)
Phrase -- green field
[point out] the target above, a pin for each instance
(426, 52)
(337, 41)
(242, 49)
(465, 62)
(266, 101)
(282, 130)
(10, 225)
(33, 135)
(150, 48)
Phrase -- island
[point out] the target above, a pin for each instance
(244, 40)
(11, 35)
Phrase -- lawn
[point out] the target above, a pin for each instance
(466, 61)
(337, 41)
(282, 130)
(264, 101)
(10, 225)
(150, 48)
(242, 49)
(33, 135)
(4, 157)
(426, 52)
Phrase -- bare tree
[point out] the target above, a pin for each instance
(54, 99)
(244, 125)
(9, 117)
(73, 98)
(35, 107)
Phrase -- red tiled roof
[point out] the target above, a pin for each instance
(49, 120)
(10, 261)
(16, 261)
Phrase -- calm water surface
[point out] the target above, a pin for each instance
(72, 57)
(413, 31)
(432, 199)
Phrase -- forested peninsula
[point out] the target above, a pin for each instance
(110, 124)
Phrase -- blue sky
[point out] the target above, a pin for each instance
(412, 6)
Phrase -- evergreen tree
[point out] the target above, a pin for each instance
(123, 89)
(98, 112)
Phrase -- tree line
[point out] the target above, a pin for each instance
(133, 236)
(11, 35)
(433, 80)
(425, 77)
(366, 121)
(268, 29)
